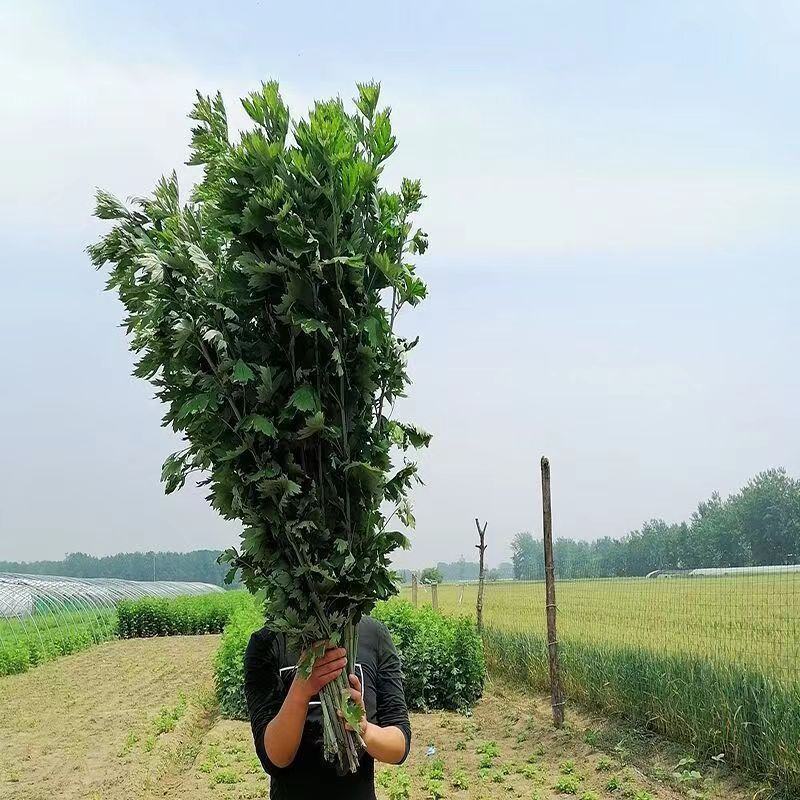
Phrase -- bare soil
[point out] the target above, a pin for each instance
(136, 719)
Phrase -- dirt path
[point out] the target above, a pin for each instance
(136, 719)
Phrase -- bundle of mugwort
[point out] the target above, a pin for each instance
(263, 311)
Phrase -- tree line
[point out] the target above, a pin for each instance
(197, 565)
(757, 526)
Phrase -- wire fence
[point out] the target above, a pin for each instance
(708, 656)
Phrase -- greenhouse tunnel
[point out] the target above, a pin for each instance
(54, 615)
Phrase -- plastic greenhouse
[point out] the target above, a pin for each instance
(45, 616)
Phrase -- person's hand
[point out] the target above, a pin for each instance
(358, 699)
(326, 669)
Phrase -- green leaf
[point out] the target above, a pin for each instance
(194, 405)
(398, 539)
(390, 269)
(229, 455)
(152, 265)
(199, 259)
(242, 373)
(255, 422)
(406, 515)
(304, 399)
(313, 326)
(313, 426)
(368, 96)
(308, 658)
(406, 435)
(108, 207)
(365, 474)
(351, 711)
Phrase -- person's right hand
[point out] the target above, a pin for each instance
(326, 669)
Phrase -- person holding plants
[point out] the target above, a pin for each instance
(286, 716)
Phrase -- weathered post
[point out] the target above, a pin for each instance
(481, 570)
(435, 596)
(414, 588)
(556, 693)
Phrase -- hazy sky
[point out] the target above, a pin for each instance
(614, 195)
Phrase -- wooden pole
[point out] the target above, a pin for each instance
(556, 693)
(435, 596)
(481, 570)
(414, 588)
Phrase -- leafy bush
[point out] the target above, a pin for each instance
(181, 616)
(229, 660)
(26, 644)
(442, 657)
(263, 310)
(443, 665)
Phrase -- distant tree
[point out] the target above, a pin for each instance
(460, 570)
(197, 565)
(430, 575)
(493, 574)
(527, 557)
(505, 570)
(403, 577)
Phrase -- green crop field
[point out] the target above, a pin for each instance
(50, 632)
(712, 661)
(25, 643)
(750, 620)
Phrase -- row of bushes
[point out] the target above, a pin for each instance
(25, 647)
(180, 616)
(26, 643)
(442, 657)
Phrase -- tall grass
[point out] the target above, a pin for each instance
(750, 717)
(752, 620)
(714, 662)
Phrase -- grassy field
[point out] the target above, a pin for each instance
(135, 719)
(713, 662)
(749, 620)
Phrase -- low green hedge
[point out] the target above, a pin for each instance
(229, 660)
(25, 644)
(180, 616)
(442, 657)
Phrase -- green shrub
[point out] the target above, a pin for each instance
(180, 616)
(25, 644)
(442, 656)
(14, 659)
(568, 784)
(229, 660)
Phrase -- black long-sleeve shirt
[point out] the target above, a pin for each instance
(269, 671)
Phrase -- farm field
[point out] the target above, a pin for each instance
(26, 642)
(135, 719)
(748, 620)
(711, 661)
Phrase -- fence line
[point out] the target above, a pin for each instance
(712, 659)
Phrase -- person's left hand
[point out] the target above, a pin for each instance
(355, 693)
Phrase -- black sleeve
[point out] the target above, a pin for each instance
(263, 691)
(391, 700)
